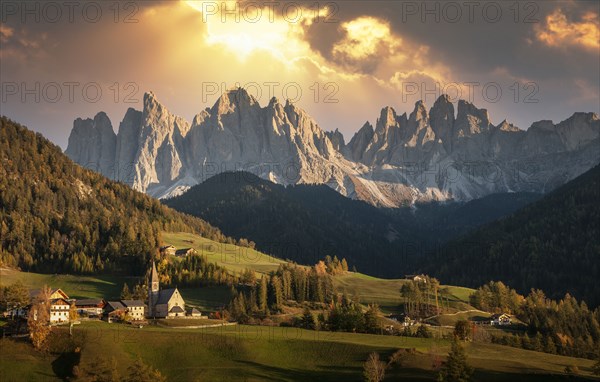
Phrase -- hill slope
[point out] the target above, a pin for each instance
(552, 244)
(303, 223)
(56, 216)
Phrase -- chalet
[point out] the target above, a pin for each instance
(114, 310)
(185, 252)
(92, 308)
(54, 294)
(402, 318)
(163, 303)
(500, 319)
(135, 309)
(417, 278)
(168, 250)
(59, 310)
(193, 312)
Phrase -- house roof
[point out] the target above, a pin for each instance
(59, 301)
(193, 310)
(176, 309)
(89, 302)
(166, 247)
(498, 315)
(115, 305)
(183, 251)
(129, 303)
(34, 293)
(165, 295)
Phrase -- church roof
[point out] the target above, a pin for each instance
(176, 309)
(165, 295)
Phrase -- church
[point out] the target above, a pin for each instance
(163, 303)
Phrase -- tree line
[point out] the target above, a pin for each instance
(57, 217)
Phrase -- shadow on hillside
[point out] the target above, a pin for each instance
(328, 373)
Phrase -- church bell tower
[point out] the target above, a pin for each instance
(153, 290)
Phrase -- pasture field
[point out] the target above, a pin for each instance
(258, 353)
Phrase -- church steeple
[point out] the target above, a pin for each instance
(154, 283)
(153, 290)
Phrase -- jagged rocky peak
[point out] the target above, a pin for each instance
(419, 113)
(337, 139)
(92, 143)
(470, 120)
(579, 129)
(159, 153)
(232, 100)
(506, 126)
(387, 118)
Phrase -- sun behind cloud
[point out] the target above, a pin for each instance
(559, 31)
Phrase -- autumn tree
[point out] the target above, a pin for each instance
(462, 330)
(38, 321)
(374, 368)
(141, 372)
(14, 297)
(101, 370)
(596, 366)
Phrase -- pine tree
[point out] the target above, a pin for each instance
(262, 295)
(125, 293)
(456, 368)
(308, 320)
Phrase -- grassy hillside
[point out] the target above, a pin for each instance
(251, 353)
(233, 257)
(302, 223)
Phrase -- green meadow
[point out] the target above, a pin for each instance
(259, 353)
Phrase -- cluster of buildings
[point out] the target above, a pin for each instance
(161, 303)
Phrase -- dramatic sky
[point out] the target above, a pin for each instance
(341, 61)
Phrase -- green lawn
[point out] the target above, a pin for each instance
(230, 256)
(386, 292)
(258, 353)
(102, 286)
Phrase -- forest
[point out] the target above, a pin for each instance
(57, 217)
(552, 244)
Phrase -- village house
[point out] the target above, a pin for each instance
(185, 252)
(91, 308)
(500, 319)
(193, 312)
(168, 250)
(60, 304)
(163, 303)
(59, 310)
(135, 309)
(114, 310)
(402, 318)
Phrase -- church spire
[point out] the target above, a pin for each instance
(154, 276)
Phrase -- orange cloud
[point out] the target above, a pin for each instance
(559, 31)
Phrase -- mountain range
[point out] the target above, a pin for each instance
(427, 155)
